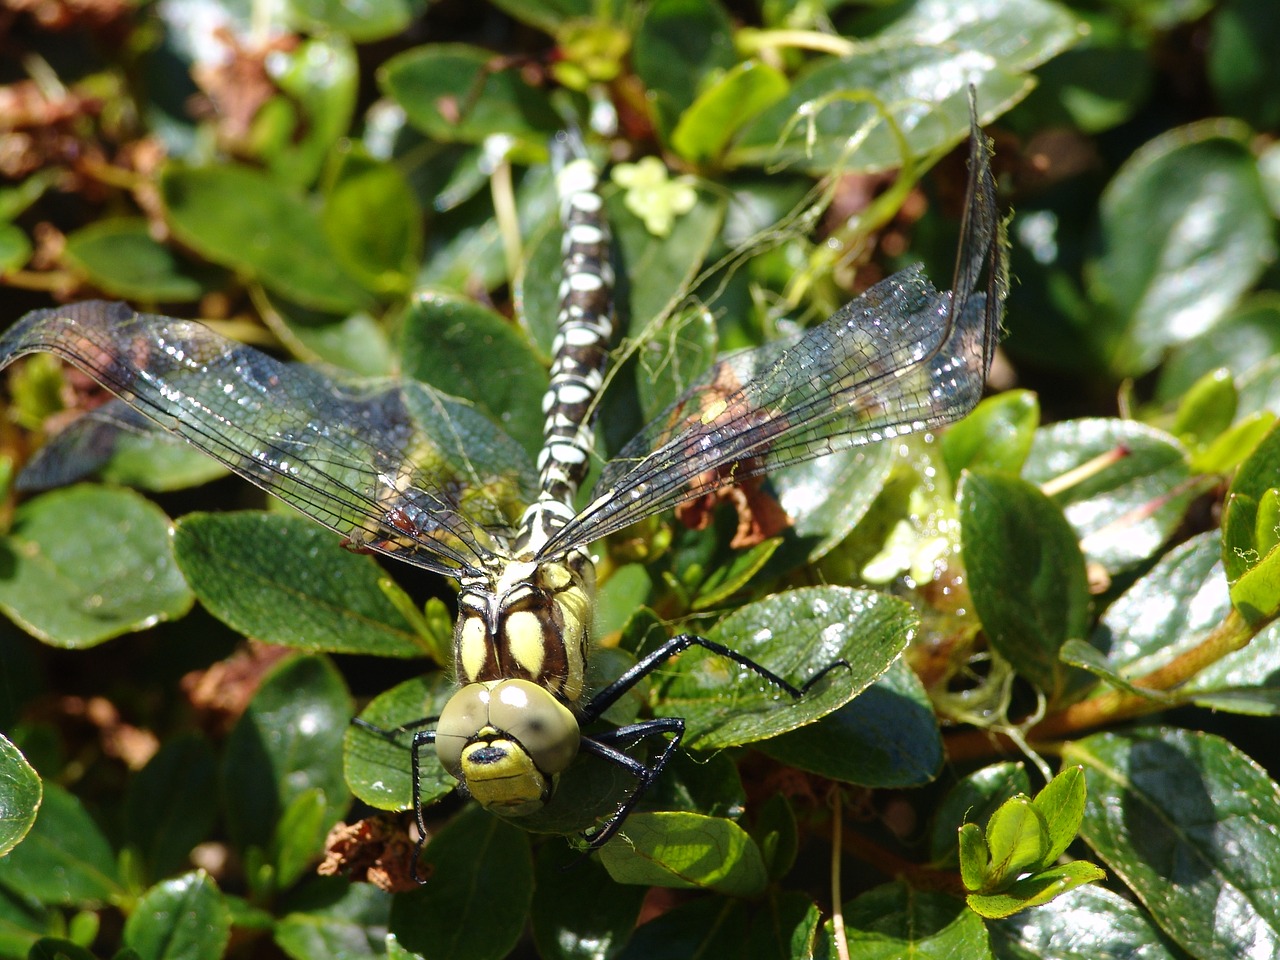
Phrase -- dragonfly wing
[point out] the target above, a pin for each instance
(903, 357)
(358, 460)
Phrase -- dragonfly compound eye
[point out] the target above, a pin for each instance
(507, 740)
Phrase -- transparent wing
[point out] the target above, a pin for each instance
(398, 469)
(901, 358)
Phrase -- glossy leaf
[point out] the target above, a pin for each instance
(579, 913)
(679, 44)
(887, 736)
(15, 248)
(704, 927)
(1167, 612)
(894, 920)
(1122, 485)
(685, 850)
(65, 859)
(476, 899)
(711, 120)
(1087, 923)
(347, 920)
(1018, 33)
(1240, 66)
(1190, 824)
(296, 130)
(924, 86)
(1185, 231)
(455, 92)
(1061, 806)
(243, 219)
(1017, 840)
(122, 259)
(85, 564)
(181, 918)
(974, 799)
(372, 221)
(20, 793)
(1239, 342)
(285, 580)
(545, 15)
(1026, 576)
(1208, 407)
(462, 348)
(724, 705)
(358, 21)
(287, 742)
(997, 435)
(377, 769)
(1035, 890)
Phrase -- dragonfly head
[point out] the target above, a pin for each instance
(507, 741)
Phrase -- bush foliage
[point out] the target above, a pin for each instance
(1063, 606)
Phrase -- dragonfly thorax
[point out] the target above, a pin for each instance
(529, 620)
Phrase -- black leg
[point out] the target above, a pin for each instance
(606, 698)
(603, 745)
(420, 739)
(629, 736)
(391, 733)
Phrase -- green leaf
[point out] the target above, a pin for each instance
(1191, 826)
(378, 770)
(373, 222)
(1016, 33)
(300, 835)
(685, 851)
(360, 22)
(285, 580)
(15, 248)
(887, 736)
(296, 130)
(172, 803)
(1185, 230)
(1124, 486)
(110, 572)
(1207, 408)
(1061, 806)
(997, 435)
(20, 793)
(243, 219)
(1242, 552)
(1018, 840)
(678, 46)
(1087, 923)
(545, 15)
(1234, 445)
(777, 834)
(65, 859)
(453, 92)
(974, 856)
(1239, 342)
(1035, 890)
(895, 920)
(121, 259)
(923, 88)
(975, 799)
(795, 635)
(357, 343)
(1257, 593)
(712, 119)
(1241, 67)
(724, 581)
(53, 948)
(579, 913)
(479, 888)
(462, 348)
(184, 918)
(287, 742)
(340, 920)
(1026, 576)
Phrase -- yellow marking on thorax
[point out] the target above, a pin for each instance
(473, 648)
(527, 641)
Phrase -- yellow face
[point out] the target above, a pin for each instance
(507, 741)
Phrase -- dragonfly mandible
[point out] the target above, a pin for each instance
(367, 462)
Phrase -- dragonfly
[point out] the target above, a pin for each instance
(401, 470)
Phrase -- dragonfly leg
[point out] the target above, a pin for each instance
(606, 698)
(420, 739)
(602, 745)
(391, 733)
